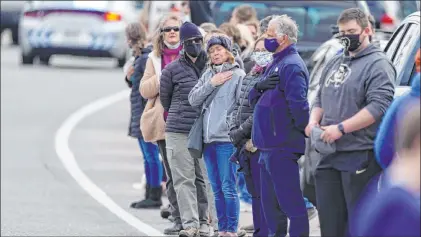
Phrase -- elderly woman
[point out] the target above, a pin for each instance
(166, 48)
(220, 87)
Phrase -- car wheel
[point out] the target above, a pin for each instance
(44, 59)
(15, 36)
(122, 62)
(27, 59)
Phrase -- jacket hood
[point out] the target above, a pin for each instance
(367, 51)
(415, 86)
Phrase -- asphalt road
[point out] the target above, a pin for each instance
(38, 195)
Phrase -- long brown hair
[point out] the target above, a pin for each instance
(158, 41)
(136, 34)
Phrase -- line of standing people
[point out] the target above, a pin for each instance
(260, 121)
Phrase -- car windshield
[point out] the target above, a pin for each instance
(314, 20)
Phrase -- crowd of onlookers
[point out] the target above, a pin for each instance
(221, 116)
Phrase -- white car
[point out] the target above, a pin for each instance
(79, 28)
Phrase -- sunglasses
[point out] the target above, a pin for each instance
(169, 29)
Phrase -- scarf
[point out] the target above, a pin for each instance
(168, 55)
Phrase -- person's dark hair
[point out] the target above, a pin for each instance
(264, 24)
(232, 31)
(354, 14)
(244, 13)
(409, 127)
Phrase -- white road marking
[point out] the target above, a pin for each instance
(68, 159)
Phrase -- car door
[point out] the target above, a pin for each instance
(401, 51)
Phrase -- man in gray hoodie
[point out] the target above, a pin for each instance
(356, 88)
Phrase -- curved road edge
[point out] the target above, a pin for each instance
(69, 161)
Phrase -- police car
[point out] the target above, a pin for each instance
(78, 28)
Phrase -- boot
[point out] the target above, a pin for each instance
(147, 194)
(154, 200)
(147, 191)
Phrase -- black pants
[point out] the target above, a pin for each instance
(172, 196)
(337, 193)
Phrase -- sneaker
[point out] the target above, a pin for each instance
(248, 228)
(312, 213)
(174, 230)
(245, 207)
(204, 230)
(189, 232)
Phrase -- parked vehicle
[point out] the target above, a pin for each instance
(314, 18)
(10, 16)
(79, 28)
(400, 49)
(389, 14)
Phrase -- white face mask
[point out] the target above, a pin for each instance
(262, 58)
(172, 46)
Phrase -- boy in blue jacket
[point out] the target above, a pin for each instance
(279, 119)
(395, 211)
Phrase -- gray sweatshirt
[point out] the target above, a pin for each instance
(220, 112)
(349, 84)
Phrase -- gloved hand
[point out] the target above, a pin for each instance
(238, 137)
(268, 83)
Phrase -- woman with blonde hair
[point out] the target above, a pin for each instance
(166, 48)
(215, 93)
(136, 39)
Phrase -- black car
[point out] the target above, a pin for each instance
(400, 49)
(314, 18)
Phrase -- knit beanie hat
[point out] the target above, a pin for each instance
(224, 41)
(188, 31)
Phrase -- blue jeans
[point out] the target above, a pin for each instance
(153, 166)
(221, 174)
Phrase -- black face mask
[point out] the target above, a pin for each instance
(351, 42)
(193, 49)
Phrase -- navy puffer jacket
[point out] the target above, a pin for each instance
(177, 80)
(137, 102)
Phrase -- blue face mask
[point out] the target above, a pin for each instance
(271, 44)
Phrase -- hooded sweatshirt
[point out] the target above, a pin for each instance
(351, 83)
(384, 146)
(220, 112)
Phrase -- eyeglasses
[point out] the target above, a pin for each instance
(169, 29)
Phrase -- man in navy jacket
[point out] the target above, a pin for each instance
(279, 119)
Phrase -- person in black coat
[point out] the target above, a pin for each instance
(153, 167)
(200, 12)
(189, 174)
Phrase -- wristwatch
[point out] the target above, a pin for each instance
(341, 128)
